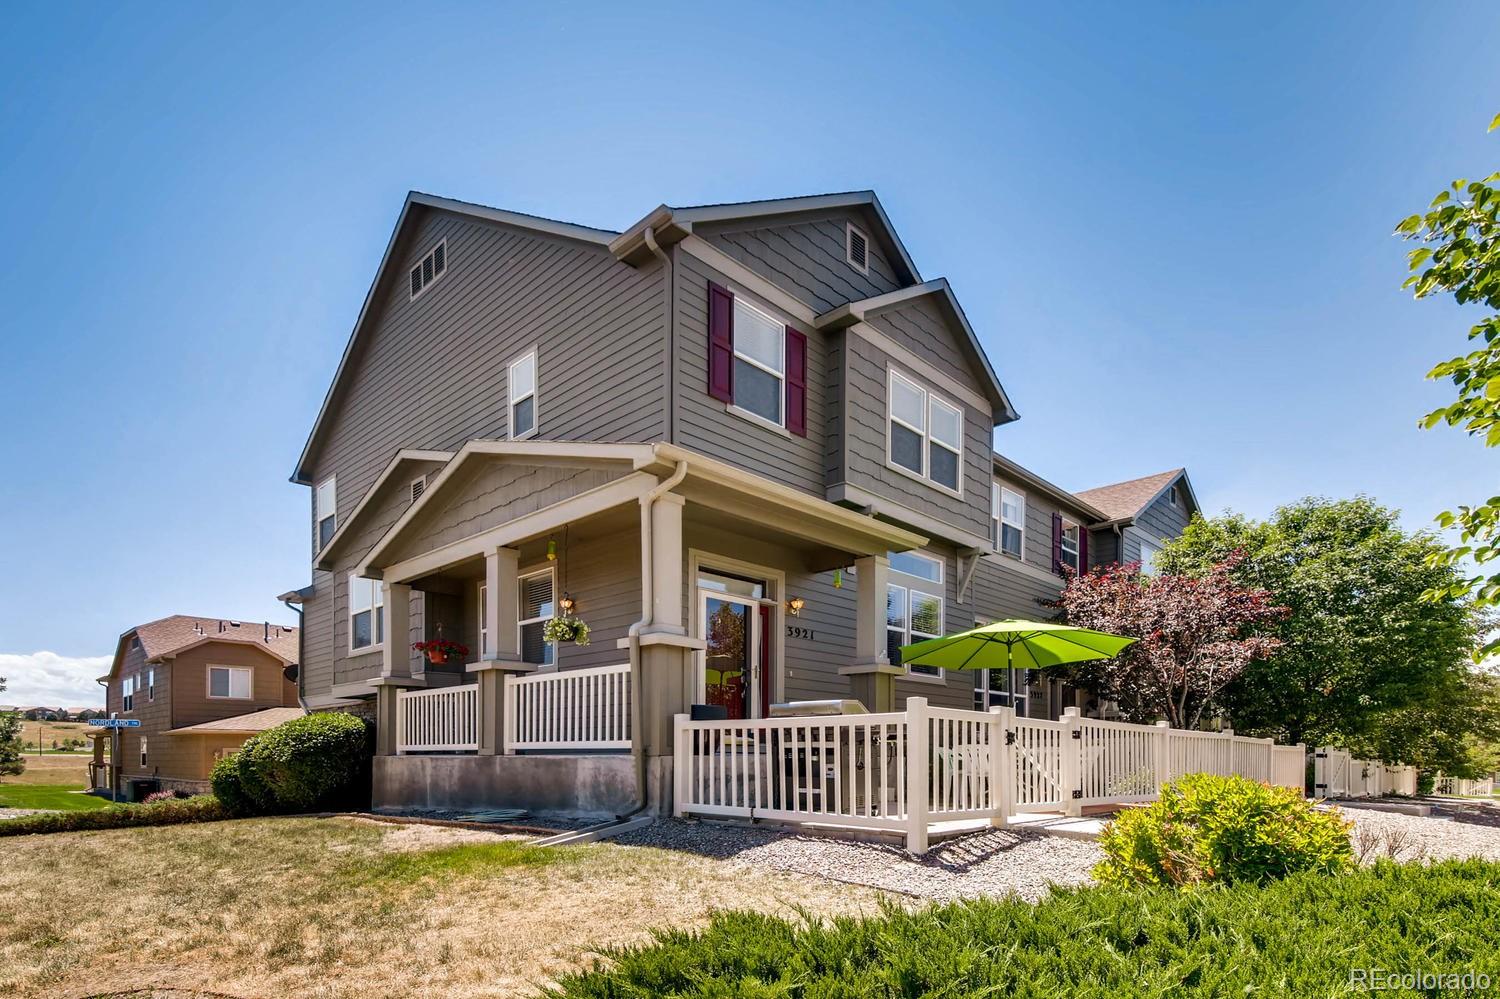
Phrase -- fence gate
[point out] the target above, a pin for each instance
(1330, 773)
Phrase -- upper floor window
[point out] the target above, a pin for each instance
(914, 564)
(366, 613)
(325, 510)
(229, 683)
(151, 684)
(1149, 551)
(857, 248)
(925, 433)
(1008, 521)
(127, 693)
(430, 269)
(756, 363)
(135, 642)
(1172, 496)
(536, 611)
(1068, 546)
(522, 379)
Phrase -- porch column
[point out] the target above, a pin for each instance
(502, 610)
(872, 678)
(396, 656)
(666, 565)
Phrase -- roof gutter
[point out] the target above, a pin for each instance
(293, 602)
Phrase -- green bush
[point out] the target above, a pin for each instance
(318, 761)
(177, 811)
(1298, 937)
(228, 788)
(1206, 828)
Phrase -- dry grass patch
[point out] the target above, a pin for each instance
(334, 908)
(54, 768)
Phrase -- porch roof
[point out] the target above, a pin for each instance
(709, 483)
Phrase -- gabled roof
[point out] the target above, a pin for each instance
(1024, 476)
(1127, 500)
(170, 636)
(854, 312)
(250, 724)
(672, 224)
(403, 458)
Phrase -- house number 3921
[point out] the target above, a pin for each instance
(793, 631)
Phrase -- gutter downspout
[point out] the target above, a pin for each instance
(669, 294)
(301, 669)
(648, 615)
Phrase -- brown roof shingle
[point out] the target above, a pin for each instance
(168, 635)
(255, 721)
(1129, 498)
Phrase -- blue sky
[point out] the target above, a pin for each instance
(1170, 226)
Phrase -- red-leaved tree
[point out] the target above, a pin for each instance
(1194, 636)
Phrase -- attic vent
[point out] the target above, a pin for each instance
(418, 487)
(857, 248)
(1172, 497)
(430, 269)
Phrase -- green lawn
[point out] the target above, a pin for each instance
(63, 797)
(1302, 937)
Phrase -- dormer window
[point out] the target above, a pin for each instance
(432, 267)
(925, 433)
(757, 365)
(857, 248)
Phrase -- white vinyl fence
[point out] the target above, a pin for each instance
(1338, 774)
(1463, 788)
(444, 720)
(568, 710)
(909, 770)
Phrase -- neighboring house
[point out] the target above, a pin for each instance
(747, 444)
(1142, 513)
(199, 687)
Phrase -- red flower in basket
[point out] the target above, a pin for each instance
(438, 650)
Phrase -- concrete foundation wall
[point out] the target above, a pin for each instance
(571, 785)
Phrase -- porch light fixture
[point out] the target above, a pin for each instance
(551, 549)
(794, 606)
(567, 603)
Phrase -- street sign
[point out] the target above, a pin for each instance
(115, 722)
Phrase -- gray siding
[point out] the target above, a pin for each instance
(922, 328)
(704, 423)
(805, 256)
(431, 373)
(1159, 521)
(865, 452)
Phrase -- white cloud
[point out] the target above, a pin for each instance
(50, 680)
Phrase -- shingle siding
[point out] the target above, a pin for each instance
(1161, 520)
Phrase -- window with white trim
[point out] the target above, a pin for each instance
(989, 689)
(916, 564)
(522, 387)
(484, 619)
(536, 610)
(229, 683)
(1149, 551)
(1172, 496)
(366, 613)
(913, 613)
(433, 266)
(1008, 521)
(857, 248)
(151, 684)
(1068, 549)
(925, 433)
(127, 693)
(325, 510)
(759, 363)
(143, 750)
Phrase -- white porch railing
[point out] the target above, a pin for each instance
(909, 770)
(442, 720)
(568, 710)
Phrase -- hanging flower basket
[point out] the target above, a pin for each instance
(438, 650)
(566, 629)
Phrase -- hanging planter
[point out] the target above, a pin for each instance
(566, 629)
(438, 650)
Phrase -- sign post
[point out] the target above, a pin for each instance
(114, 723)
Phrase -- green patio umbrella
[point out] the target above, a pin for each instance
(1015, 644)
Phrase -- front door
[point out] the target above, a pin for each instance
(731, 628)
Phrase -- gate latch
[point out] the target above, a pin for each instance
(1010, 737)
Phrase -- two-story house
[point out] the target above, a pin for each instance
(748, 445)
(199, 686)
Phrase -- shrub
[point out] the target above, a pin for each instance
(156, 796)
(229, 789)
(317, 761)
(175, 811)
(1207, 828)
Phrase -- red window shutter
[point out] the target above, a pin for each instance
(720, 343)
(1057, 543)
(796, 382)
(1083, 549)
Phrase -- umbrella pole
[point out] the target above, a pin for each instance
(1010, 678)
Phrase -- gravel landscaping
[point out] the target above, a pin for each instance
(1454, 830)
(993, 862)
(16, 813)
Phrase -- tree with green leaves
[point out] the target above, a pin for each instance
(1358, 645)
(12, 757)
(1460, 255)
